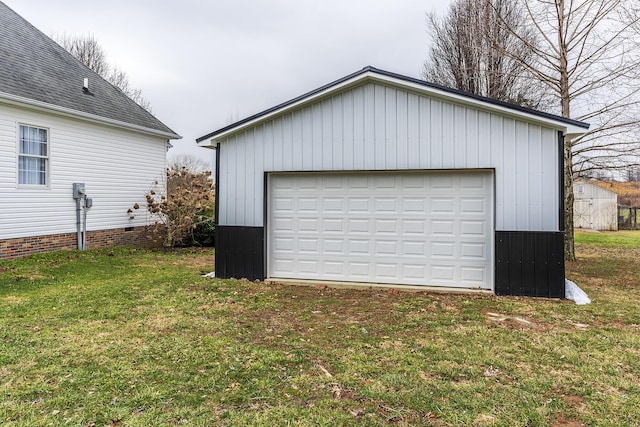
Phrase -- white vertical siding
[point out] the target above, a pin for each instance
(118, 167)
(377, 127)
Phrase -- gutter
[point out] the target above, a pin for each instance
(21, 101)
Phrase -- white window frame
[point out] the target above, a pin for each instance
(45, 157)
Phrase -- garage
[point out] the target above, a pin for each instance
(410, 228)
(380, 179)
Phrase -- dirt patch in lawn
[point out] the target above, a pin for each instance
(564, 422)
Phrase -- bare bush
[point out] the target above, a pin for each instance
(187, 204)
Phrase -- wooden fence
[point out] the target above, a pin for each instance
(628, 218)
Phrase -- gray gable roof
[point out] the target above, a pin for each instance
(388, 76)
(34, 67)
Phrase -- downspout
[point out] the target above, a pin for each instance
(84, 223)
(78, 224)
(82, 203)
(79, 195)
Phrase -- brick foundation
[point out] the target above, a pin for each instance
(23, 246)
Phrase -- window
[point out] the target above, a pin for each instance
(33, 156)
(580, 188)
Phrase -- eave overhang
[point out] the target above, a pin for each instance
(32, 104)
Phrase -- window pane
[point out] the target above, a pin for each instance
(32, 170)
(32, 162)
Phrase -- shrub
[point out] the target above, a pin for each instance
(185, 211)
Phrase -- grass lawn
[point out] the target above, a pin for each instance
(138, 338)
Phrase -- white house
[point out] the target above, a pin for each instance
(382, 179)
(60, 124)
(594, 207)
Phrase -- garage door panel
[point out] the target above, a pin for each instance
(308, 205)
(333, 205)
(441, 205)
(386, 248)
(287, 182)
(472, 182)
(472, 206)
(334, 246)
(412, 182)
(308, 246)
(386, 226)
(283, 225)
(473, 275)
(385, 205)
(358, 183)
(413, 227)
(308, 182)
(307, 225)
(282, 265)
(473, 251)
(414, 272)
(474, 228)
(441, 181)
(332, 182)
(359, 205)
(400, 228)
(442, 249)
(283, 205)
(386, 271)
(442, 227)
(359, 270)
(283, 244)
(359, 226)
(334, 269)
(414, 249)
(333, 226)
(309, 266)
(414, 206)
(442, 274)
(359, 247)
(385, 182)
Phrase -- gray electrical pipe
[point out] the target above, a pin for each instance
(84, 223)
(81, 226)
(78, 224)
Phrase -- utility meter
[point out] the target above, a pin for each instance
(78, 190)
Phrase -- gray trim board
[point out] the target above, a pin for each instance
(561, 180)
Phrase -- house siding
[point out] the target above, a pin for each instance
(117, 167)
(379, 127)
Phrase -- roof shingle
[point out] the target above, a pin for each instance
(35, 67)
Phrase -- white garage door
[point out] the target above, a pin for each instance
(426, 228)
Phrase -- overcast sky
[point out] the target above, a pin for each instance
(202, 63)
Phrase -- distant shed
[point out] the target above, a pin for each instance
(595, 207)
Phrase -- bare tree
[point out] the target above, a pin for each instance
(632, 174)
(88, 51)
(589, 58)
(188, 162)
(467, 51)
